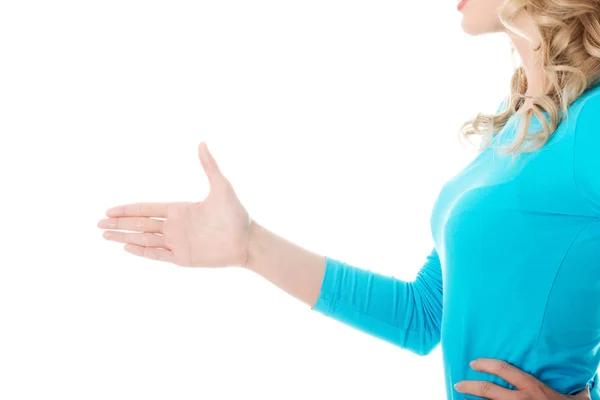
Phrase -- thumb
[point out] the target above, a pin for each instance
(582, 395)
(213, 173)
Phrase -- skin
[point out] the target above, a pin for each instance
(216, 232)
(479, 17)
(219, 232)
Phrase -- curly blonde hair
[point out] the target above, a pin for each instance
(570, 54)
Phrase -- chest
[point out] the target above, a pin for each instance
(497, 193)
(495, 186)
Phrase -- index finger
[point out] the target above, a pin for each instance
(511, 374)
(139, 210)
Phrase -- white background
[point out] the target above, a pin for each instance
(336, 122)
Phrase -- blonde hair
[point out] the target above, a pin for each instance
(570, 55)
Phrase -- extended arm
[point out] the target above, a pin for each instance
(407, 314)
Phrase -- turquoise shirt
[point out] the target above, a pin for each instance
(514, 272)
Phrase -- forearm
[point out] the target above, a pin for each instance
(407, 314)
(290, 267)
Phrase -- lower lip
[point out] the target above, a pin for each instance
(461, 4)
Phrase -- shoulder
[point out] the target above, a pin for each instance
(586, 147)
(585, 114)
(586, 106)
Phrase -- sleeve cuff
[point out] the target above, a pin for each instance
(328, 286)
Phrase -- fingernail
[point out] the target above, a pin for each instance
(106, 234)
(472, 363)
(457, 386)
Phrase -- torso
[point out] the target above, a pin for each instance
(520, 260)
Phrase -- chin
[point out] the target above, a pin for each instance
(477, 27)
(481, 16)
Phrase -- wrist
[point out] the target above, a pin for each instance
(250, 235)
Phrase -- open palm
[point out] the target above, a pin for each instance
(213, 232)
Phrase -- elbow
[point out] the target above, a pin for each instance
(428, 343)
(427, 349)
(420, 342)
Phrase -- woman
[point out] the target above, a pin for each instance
(514, 273)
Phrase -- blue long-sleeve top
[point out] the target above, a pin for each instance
(514, 270)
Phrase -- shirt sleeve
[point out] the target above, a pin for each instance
(407, 314)
(586, 153)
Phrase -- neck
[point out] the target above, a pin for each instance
(531, 62)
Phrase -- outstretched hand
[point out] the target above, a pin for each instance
(213, 232)
(528, 387)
